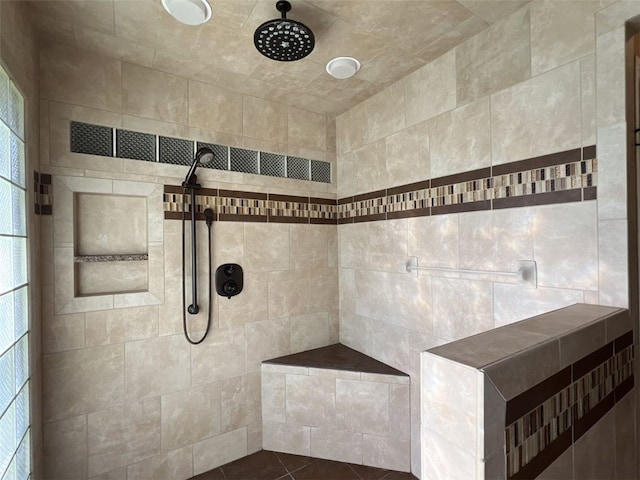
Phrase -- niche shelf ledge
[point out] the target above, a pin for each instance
(137, 257)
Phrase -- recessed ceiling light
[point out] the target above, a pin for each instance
(190, 12)
(343, 67)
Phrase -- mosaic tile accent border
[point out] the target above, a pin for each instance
(237, 206)
(43, 194)
(104, 141)
(569, 176)
(545, 420)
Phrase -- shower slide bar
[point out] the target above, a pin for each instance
(525, 275)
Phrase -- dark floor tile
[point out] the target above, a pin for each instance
(262, 465)
(398, 476)
(210, 475)
(293, 462)
(326, 470)
(369, 473)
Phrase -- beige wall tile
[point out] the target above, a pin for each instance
(307, 129)
(123, 435)
(152, 94)
(266, 247)
(613, 263)
(351, 129)
(625, 434)
(79, 77)
(256, 111)
(174, 464)
(400, 411)
(220, 356)
(384, 452)
(240, 402)
(254, 437)
(273, 396)
(446, 459)
(311, 401)
(336, 445)
(561, 32)
(156, 366)
(370, 168)
(82, 381)
(362, 406)
(386, 112)
(493, 10)
(494, 59)
(597, 450)
(265, 340)
(216, 451)
(250, 306)
(453, 152)
(556, 95)
(443, 248)
(407, 155)
(588, 87)
(610, 78)
(286, 438)
(431, 90)
(309, 331)
(309, 246)
(190, 416)
(112, 46)
(63, 332)
(65, 448)
(612, 172)
(214, 108)
(298, 292)
(616, 15)
(355, 331)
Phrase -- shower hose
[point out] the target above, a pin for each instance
(184, 294)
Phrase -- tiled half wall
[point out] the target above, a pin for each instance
(569, 176)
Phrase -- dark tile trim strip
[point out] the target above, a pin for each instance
(462, 177)
(322, 221)
(46, 210)
(545, 458)
(370, 218)
(345, 200)
(543, 161)
(624, 388)
(288, 198)
(178, 216)
(45, 179)
(462, 207)
(589, 152)
(623, 342)
(590, 418)
(590, 193)
(591, 361)
(227, 217)
(547, 198)
(240, 194)
(343, 221)
(173, 189)
(509, 202)
(283, 219)
(370, 195)
(416, 212)
(322, 201)
(411, 187)
(527, 401)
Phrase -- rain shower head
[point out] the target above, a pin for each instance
(203, 156)
(282, 39)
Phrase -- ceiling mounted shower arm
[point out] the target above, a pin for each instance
(283, 7)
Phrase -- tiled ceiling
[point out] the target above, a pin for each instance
(391, 38)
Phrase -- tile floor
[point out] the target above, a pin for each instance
(264, 465)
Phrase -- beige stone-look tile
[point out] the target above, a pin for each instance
(79, 77)
(597, 450)
(491, 413)
(354, 244)
(309, 331)
(493, 10)
(112, 46)
(240, 401)
(561, 32)
(613, 263)
(369, 164)
(215, 109)
(117, 474)
(442, 249)
(220, 356)
(254, 437)
(173, 464)
(82, 381)
(266, 340)
(612, 172)
(309, 246)
(355, 331)
(65, 448)
(361, 44)
(307, 129)
(407, 154)
(153, 94)
(332, 373)
(336, 445)
(512, 303)
(431, 90)
(451, 152)
(386, 112)
(362, 406)
(566, 257)
(266, 247)
(388, 453)
(286, 438)
(255, 111)
(579, 344)
(123, 435)
(588, 86)
(298, 292)
(616, 15)
(122, 325)
(190, 416)
(279, 368)
(156, 366)
(156, 127)
(273, 396)
(626, 455)
(555, 94)
(351, 129)
(250, 306)
(494, 59)
(95, 15)
(446, 458)
(62, 332)
(216, 451)
(610, 78)
(399, 411)
(311, 401)
(347, 279)
(453, 319)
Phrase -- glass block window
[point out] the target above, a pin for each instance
(175, 151)
(221, 160)
(320, 171)
(136, 146)
(91, 139)
(298, 168)
(272, 164)
(243, 160)
(15, 463)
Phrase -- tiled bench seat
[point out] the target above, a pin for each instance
(336, 403)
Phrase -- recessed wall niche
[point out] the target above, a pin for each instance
(108, 244)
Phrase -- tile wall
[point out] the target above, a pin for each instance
(19, 57)
(124, 393)
(547, 79)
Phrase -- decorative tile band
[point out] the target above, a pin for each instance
(566, 406)
(232, 205)
(43, 194)
(110, 142)
(569, 176)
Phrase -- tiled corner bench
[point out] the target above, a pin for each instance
(336, 403)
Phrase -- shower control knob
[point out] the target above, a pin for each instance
(230, 288)
(229, 270)
(229, 280)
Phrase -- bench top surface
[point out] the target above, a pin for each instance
(336, 357)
